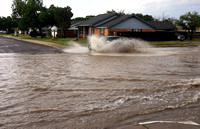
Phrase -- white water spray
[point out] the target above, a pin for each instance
(76, 48)
(122, 45)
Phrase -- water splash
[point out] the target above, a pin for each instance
(170, 122)
(122, 45)
(76, 48)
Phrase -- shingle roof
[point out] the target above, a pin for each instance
(121, 19)
(114, 21)
(108, 20)
(74, 24)
(96, 19)
(160, 25)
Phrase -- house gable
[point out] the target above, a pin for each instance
(132, 23)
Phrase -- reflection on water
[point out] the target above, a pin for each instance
(93, 90)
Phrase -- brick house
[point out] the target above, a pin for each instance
(122, 25)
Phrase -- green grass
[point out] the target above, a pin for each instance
(68, 41)
(63, 41)
(195, 40)
(6, 34)
(168, 43)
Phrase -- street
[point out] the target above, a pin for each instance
(8, 45)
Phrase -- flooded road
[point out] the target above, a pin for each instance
(92, 90)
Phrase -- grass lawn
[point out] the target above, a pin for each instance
(68, 41)
(168, 43)
(195, 40)
(63, 41)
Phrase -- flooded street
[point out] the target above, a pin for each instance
(92, 90)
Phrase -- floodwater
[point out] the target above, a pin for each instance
(81, 89)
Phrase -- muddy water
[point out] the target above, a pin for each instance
(93, 90)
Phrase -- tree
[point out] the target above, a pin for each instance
(63, 17)
(145, 17)
(32, 14)
(83, 18)
(18, 8)
(121, 12)
(7, 24)
(189, 21)
(111, 11)
(47, 16)
(27, 12)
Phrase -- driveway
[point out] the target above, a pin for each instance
(9, 45)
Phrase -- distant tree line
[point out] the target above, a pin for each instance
(83, 18)
(7, 24)
(144, 17)
(32, 14)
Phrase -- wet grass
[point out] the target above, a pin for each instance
(62, 41)
(196, 39)
(168, 43)
(67, 41)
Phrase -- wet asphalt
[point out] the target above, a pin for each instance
(9, 45)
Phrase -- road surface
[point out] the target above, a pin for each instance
(9, 45)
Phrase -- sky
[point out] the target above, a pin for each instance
(82, 8)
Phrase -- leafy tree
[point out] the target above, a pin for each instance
(89, 16)
(51, 15)
(7, 24)
(18, 8)
(63, 17)
(27, 12)
(32, 14)
(78, 19)
(121, 12)
(111, 11)
(145, 17)
(47, 16)
(83, 18)
(189, 21)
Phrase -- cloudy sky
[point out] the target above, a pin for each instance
(82, 8)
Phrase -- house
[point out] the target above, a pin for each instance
(73, 30)
(124, 25)
(89, 27)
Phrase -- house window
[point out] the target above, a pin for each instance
(102, 31)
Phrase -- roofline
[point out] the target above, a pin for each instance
(93, 24)
(115, 15)
(119, 22)
(133, 15)
(144, 21)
